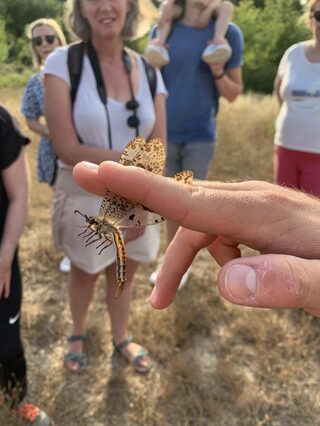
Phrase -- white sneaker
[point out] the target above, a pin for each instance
(157, 55)
(216, 53)
(64, 264)
(154, 274)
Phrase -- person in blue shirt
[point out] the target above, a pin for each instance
(194, 89)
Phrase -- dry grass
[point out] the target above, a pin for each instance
(216, 364)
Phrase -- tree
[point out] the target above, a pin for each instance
(18, 13)
(3, 42)
(268, 32)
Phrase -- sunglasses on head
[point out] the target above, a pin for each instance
(316, 15)
(38, 40)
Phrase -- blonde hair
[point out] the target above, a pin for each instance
(309, 10)
(36, 60)
(139, 18)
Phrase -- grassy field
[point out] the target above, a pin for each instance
(215, 363)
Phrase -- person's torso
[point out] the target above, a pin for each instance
(298, 123)
(90, 115)
(192, 94)
(11, 142)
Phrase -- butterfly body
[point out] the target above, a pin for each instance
(118, 213)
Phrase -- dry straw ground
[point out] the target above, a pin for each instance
(215, 363)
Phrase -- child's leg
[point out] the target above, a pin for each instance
(13, 382)
(170, 12)
(218, 51)
(12, 361)
(163, 33)
(224, 15)
(156, 51)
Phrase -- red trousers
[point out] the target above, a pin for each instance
(297, 169)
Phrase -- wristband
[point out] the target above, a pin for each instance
(217, 77)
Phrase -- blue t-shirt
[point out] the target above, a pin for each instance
(193, 98)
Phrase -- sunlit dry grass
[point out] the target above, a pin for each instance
(215, 363)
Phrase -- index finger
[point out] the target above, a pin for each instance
(264, 219)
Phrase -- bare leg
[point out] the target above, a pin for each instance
(170, 12)
(81, 290)
(162, 34)
(119, 308)
(224, 15)
(218, 50)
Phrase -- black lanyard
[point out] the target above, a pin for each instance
(133, 121)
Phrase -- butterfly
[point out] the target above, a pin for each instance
(117, 212)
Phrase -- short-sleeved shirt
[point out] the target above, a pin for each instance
(90, 114)
(298, 122)
(33, 108)
(11, 142)
(91, 123)
(192, 102)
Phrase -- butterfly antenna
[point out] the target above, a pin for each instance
(81, 214)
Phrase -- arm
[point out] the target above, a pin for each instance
(230, 86)
(15, 179)
(276, 86)
(61, 128)
(160, 127)
(37, 127)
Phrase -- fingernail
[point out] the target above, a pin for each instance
(241, 282)
(90, 166)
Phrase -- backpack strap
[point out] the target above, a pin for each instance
(151, 76)
(75, 62)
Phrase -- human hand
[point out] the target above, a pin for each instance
(283, 224)
(5, 277)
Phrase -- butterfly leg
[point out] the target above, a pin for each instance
(84, 232)
(107, 243)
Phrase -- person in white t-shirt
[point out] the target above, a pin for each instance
(104, 128)
(297, 87)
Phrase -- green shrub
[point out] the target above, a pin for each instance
(268, 32)
(14, 75)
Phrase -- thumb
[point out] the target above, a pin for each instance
(272, 281)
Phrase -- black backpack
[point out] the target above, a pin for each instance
(75, 62)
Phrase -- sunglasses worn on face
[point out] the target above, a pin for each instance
(316, 15)
(38, 40)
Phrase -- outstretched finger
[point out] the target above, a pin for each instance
(272, 281)
(86, 175)
(178, 257)
(262, 219)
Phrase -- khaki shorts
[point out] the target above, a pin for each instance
(67, 225)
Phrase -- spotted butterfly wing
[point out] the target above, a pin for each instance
(121, 211)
